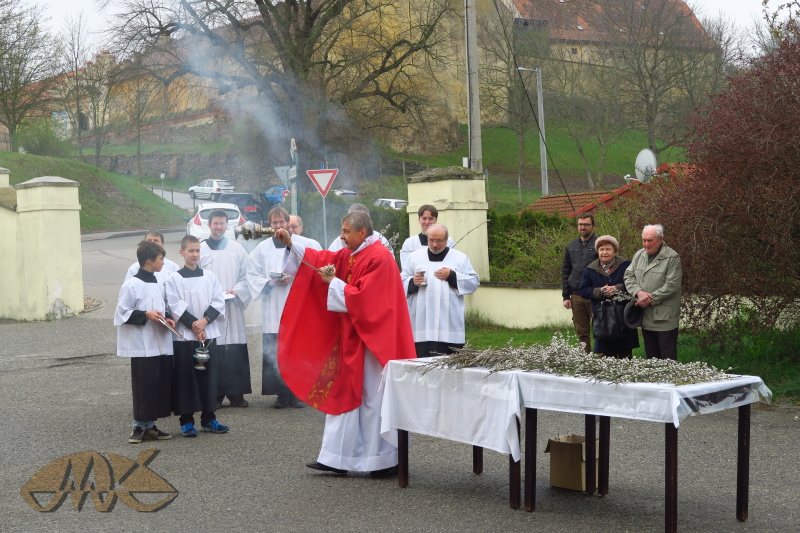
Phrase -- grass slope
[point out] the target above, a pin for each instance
(108, 201)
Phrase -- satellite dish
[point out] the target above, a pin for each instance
(645, 165)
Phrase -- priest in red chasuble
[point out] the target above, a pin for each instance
(337, 331)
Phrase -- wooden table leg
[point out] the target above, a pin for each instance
(591, 469)
(477, 460)
(605, 438)
(514, 479)
(670, 478)
(743, 464)
(402, 458)
(531, 421)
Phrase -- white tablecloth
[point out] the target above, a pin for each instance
(475, 407)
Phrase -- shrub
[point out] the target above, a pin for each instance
(39, 138)
(735, 219)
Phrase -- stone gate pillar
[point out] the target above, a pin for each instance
(460, 196)
(41, 274)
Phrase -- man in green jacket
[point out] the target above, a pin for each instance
(654, 278)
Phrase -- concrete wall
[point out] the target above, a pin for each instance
(519, 306)
(41, 275)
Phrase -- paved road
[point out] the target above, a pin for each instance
(181, 199)
(66, 393)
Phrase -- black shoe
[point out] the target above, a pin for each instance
(296, 403)
(137, 436)
(280, 404)
(316, 465)
(386, 472)
(156, 434)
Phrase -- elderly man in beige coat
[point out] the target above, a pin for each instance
(654, 279)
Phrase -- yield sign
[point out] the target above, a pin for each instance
(323, 179)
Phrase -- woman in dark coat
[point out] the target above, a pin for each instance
(601, 280)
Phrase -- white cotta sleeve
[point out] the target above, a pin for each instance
(241, 287)
(217, 295)
(466, 279)
(126, 304)
(256, 277)
(175, 303)
(291, 258)
(407, 272)
(336, 301)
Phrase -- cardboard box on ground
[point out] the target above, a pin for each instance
(568, 461)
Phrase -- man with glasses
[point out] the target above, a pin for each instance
(577, 256)
(436, 278)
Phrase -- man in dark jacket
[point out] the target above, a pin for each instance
(577, 256)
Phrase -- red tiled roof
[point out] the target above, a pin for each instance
(559, 203)
(564, 16)
(589, 202)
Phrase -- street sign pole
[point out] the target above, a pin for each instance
(322, 180)
(324, 220)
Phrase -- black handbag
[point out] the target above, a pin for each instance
(608, 321)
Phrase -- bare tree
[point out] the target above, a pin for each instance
(582, 101)
(506, 46)
(29, 63)
(99, 83)
(141, 98)
(73, 89)
(308, 63)
(656, 47)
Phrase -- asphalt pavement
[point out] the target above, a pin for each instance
(68, 393)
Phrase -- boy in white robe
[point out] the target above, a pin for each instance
(169, 267)
(191, 293)
(142, 338)
(436, 279)
(228, 261)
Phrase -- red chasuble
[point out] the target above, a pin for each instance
(321, 352)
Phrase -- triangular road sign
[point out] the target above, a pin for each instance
(323, 179)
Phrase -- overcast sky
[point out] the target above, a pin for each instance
(741, 11)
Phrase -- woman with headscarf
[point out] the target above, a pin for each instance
(601, 281)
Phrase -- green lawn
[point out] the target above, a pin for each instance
(108, 201)
(500, 153)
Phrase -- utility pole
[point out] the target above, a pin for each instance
(540, 122)
(473, 98)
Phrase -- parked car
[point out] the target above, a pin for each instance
(210, 189)
(391, 203)
(275, 195)
(254, 207)
(198, 222)
(344, 193)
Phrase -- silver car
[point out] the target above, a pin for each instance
(390, 203)
(210, 189)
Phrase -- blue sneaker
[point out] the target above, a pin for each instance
(187, 430)
(215, 427)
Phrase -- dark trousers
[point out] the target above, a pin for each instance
(430, 349)
(661, 344)
(581, 318)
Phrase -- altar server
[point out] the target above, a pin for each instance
(195, 299)
(436, 280)
(169, 266)
(142, 338)
(428, 215)
(228, 261)
(266, 282)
